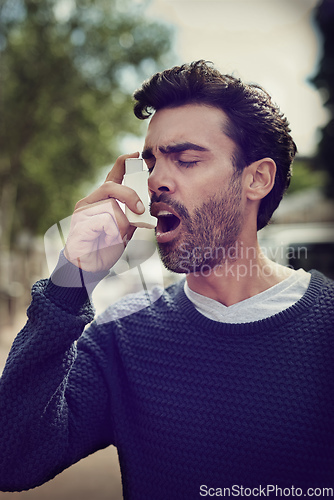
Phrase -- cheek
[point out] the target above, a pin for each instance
(202, 186)
(209, 187)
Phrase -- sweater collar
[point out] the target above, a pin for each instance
(311, 298)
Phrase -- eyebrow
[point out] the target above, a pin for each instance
(174, 148)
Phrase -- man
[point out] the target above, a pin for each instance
(224, 384)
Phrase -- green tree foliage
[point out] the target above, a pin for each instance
(306, 176)
(324, 81)
(68, 69)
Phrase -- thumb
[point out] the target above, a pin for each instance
(116, 174)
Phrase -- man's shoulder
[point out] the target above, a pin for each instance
(319, 298)
(324, 283)
(145, 302)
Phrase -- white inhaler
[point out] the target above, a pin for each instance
(136, 177)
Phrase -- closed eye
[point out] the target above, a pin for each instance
(187, 164)
(184, 164)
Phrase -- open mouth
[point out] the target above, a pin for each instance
(167, 221)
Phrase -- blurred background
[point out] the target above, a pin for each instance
(68, 69)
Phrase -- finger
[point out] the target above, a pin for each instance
(101, 215)
(109, 190)
(90, 229)
(99, 207)
(116, 174)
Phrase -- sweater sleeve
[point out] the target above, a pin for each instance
(54, 397)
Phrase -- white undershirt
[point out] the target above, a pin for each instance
(263, 305)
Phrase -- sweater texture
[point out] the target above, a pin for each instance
(190, 403)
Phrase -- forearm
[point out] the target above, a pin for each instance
(44, 420)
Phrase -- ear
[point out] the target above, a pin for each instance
(260, 178)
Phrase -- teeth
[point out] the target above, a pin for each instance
(164, 212)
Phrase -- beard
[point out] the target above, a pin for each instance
(208, 237)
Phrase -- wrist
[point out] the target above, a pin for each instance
(67, 274)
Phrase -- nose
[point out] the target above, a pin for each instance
(161, 179)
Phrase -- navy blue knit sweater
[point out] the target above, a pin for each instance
(190, 403)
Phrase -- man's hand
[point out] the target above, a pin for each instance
(99, 228)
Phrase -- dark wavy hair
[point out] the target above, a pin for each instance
(256, 124)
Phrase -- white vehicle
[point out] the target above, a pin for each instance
(306, 245)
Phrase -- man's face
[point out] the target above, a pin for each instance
(195, 193)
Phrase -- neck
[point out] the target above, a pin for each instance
(238, 279)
